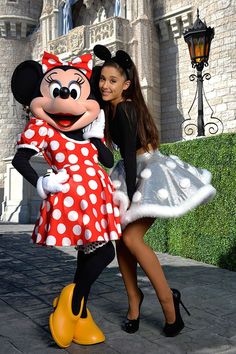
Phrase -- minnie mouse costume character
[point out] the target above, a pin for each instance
(77, 209)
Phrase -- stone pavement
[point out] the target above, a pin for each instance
(32, 276)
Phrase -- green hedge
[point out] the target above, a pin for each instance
(207, 233)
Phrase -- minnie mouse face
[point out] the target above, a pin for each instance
(64, 103)
(60, 94)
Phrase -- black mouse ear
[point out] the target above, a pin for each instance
(124, 59)
(25, 80)
(102, 52)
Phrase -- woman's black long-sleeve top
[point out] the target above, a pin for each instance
(123, 131)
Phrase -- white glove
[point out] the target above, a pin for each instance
(96, 128)
(51, 183)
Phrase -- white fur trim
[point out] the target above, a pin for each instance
(122, 202)
(40, 189)
(135, 212)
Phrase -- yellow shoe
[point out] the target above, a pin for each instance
(62, 321)
(55, 302)
(87, 332)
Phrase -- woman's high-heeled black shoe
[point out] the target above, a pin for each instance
(132, 326)
(173, 329)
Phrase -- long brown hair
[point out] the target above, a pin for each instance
(146, 128)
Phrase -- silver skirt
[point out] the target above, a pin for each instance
(165, 187)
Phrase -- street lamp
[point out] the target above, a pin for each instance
(199, 38)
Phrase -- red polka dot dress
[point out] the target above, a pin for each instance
(84, 212)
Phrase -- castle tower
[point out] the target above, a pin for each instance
(18, 20)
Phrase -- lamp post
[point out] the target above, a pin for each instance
(199, 38)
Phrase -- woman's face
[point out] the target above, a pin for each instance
(112, 84)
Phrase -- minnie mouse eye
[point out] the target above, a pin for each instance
(55, 89)
(75, 91)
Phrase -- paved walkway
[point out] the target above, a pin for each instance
(31, 276)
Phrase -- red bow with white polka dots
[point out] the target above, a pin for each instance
(84, 63)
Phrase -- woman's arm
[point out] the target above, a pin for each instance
(128, 142)
(105, 156)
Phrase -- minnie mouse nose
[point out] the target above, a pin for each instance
(64, 92)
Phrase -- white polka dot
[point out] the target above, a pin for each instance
(65, 188)
(109, 188)
(29, 133)
(162, 193)
(60, 157)
(103, 209)
(106, 237)
(137, 197)
(70, 146)
(95, 212)
(55, 201)
(98, 227)
(76, 60)
(39, 238)
(54, 145)
(185, 183)
(92, 184)
(84, 151)
(101, 174)
(91, 171)
(88, 234)
(83, 204)
(146, 173)
(51, 240)
(83, 71)
(76, 230)
(104, 223)
(116, 212)
(46, 227)
(109, 208)
(61, 228)
(43, 131)
(80, 242)
(49, 227)
(77, 178)
(118, 226)
(56, 214)
(86, 219)
(88, 163)
(73, 215)
(90, 64)
(75, 168)
(192, 170)
(40, 220)
(93, 198)
(73, 158)
(51, 61)
(66, 241)
(113, 235)
(68, 202)
(95, 158)
(103, 195)
(49, 155)
(50, 133)
(100, 238)
(171, 164)
(48, 206)
(39, 122)
(80, 190)
(116, 184)
(103, 182)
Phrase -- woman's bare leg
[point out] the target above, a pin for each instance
(128, 268)
(133, 239)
